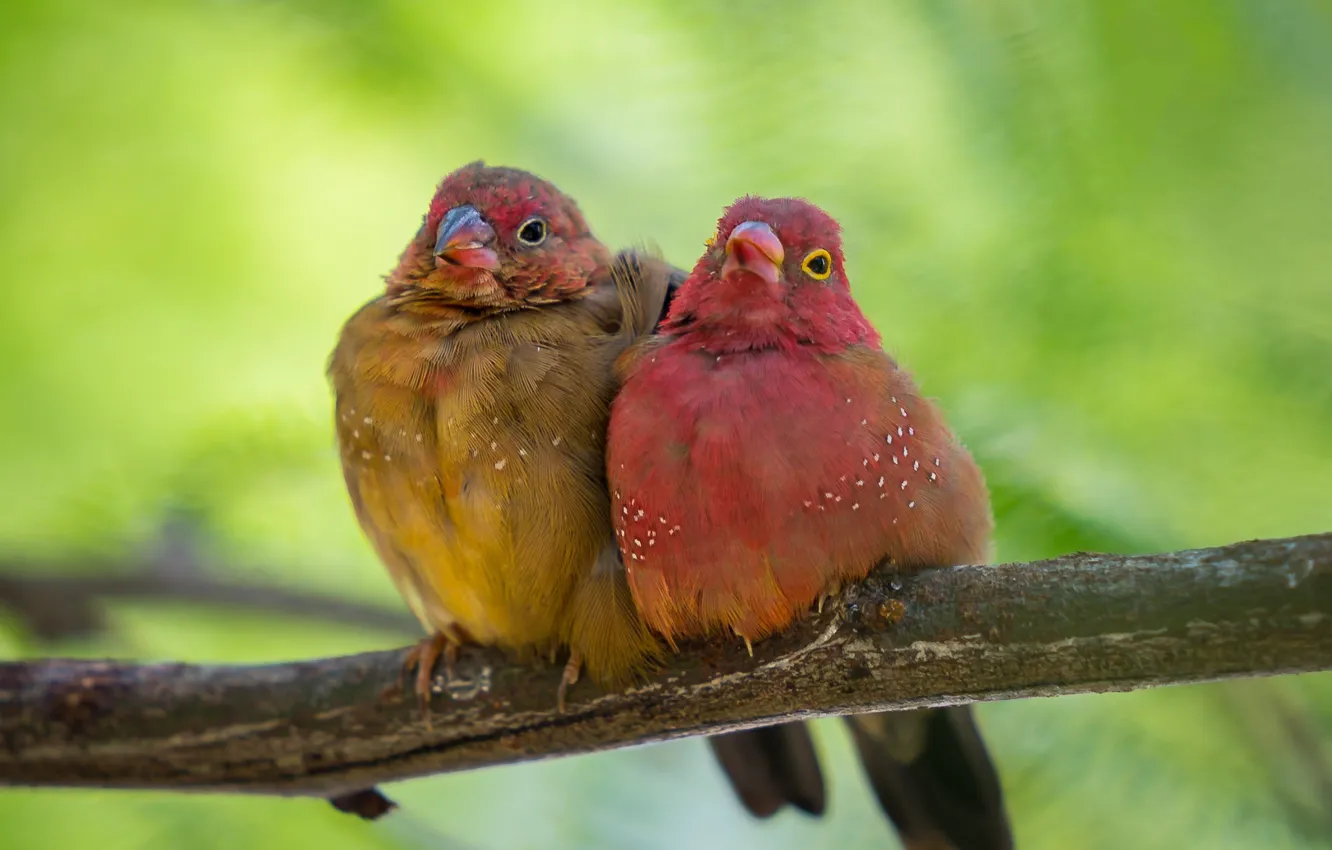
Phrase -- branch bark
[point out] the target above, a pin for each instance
(332, 726)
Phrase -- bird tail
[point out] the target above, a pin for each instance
(933, 778)
(645, 283)
(928, 768)
(771, 767)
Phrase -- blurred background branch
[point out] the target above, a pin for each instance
(328, 727)
(57, 599)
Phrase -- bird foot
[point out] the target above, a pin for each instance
(572, 668)
(423, 657)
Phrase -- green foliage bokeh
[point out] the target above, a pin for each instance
(1098, 233)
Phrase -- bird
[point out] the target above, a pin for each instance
(470, 407)
(764, 450)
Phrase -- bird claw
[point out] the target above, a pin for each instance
(424, 656)
(827, 595)
(748, 645)
(572, 668)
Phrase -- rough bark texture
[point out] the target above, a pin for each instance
(325, 727)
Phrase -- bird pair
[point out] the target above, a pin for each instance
(543, 461)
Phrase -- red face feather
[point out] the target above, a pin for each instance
(498, 238)
(763, 448)
(728, 306)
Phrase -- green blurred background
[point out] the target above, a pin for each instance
(1098, 232)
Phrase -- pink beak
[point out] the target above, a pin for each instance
(753, 246)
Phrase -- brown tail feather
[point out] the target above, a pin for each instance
(771, 767)
(933, 778)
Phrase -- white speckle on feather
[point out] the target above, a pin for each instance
(864, 421)
(855, 506)
(911, 504)
(894, 460)
(494, 421)
(890, 439)
(915, 466)
(899, 430)
(638, 543)
(837, 498)
(933, 476)
(499, 464)
(367, 420)
(911, 432)
(880, 480)
(860, 482)
(904, 451)
(894, 399)
(808, 503)
(902, 410)
(848, 401)
(876, 457)
(418, 438)
(936, 461)
(387, 458)
(827, 495)
(904, 483)
(556, 442)
(522, 453)
(356, 432)
(493, 445)
(365, 455)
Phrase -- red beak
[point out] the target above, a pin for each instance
(753, 246)
(464, 239)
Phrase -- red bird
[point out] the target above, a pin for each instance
(762, 450)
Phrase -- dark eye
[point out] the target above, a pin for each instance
(532, 231)
(817, 264)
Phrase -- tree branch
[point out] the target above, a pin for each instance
(325, 727)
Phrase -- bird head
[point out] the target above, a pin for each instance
(773, 275)
(498, 238)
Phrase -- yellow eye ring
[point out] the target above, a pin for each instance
(817, 264)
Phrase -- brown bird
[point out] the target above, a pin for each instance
(762, 450)
(471, 406)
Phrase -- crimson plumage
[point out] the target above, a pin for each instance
(764, 449)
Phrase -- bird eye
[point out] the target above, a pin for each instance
(817, 264)
(532, 231)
